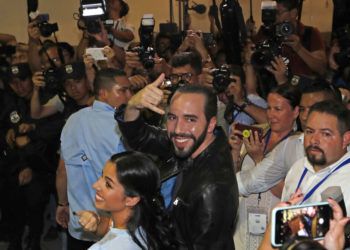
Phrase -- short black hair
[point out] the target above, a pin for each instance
(192, 58)
(289, 92)
(124, 10)
(47, 44)
(289, 4)
(237, 70)
(67, 47)
(105, 79)
(321, 85)
(336, 109)
(210, 105)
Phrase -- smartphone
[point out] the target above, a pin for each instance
(96, 53)
(304, 221)
(247, 130)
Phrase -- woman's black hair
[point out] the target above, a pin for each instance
(139, 175)
(289, 92)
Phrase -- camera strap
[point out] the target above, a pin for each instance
(312, 190)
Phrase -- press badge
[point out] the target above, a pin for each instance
(257, 220)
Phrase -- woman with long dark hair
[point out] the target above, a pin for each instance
(129, 190)
(254, 208)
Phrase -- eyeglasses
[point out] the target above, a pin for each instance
(175, 78)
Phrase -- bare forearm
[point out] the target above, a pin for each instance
(33, 55)
(83, 44)
(103, 226)
(266, 242)
(317, 63)
(61, 183)
(258, 113)
(35, 106)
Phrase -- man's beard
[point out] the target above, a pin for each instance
(185, 153)
(321, 161)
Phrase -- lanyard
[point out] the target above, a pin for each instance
(307, 196)
(267, 139)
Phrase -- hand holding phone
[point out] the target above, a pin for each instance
(307, 221)
(247, 130)
(96, 53)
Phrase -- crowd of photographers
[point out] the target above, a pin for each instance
(45, 81)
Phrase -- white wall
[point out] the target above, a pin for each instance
(13, 18)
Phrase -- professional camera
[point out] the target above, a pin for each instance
(92, 12)
(265, 52)
(53, 80)
(145, 51)
(172, 87)
(268, 13)
(46, 28)
(284, 29)
(146, 56)
(7, 50)
(343, 57)
(221, 78)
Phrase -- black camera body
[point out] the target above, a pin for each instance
(53, 80)
(46, 29)
(145, 51)
(7, 50)
(343, 57)
(92, 12)
(146, 56)
(265, 52)
(168, 85)
(284, 29)
(92, 25)
(221, 78)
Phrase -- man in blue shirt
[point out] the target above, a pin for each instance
(88, 139)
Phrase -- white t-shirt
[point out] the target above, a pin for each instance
(56, 102)
(122, 25)
(271, 169)
(118, 239)
(338, 178)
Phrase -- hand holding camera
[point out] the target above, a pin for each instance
(38, 80)
(149, 97)
(293, 41)
(279, 69)
(132, 60)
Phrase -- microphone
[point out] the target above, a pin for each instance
(199, 8)
(336, 194)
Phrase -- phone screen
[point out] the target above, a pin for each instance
(309, 221)
(96, 53)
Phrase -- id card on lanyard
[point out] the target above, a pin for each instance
(312, 190)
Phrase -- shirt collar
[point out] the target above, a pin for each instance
(329, 168)
(98, 105)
